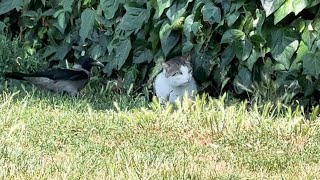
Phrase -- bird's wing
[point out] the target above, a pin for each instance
(61, 74)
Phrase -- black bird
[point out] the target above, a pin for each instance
(61, 80)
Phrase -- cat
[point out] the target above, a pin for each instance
(175, 80)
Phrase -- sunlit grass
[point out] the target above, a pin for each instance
(110, 136)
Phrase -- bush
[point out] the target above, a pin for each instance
(236, 44)
(14, 56)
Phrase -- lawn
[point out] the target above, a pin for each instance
(108, 136)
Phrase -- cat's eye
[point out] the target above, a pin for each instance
(190, 71)
(177, 73)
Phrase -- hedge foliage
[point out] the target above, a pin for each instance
(237, 45)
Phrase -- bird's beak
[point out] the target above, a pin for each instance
(97, 63)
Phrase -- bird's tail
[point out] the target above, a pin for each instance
(15, 75)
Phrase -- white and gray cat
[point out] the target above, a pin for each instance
(175, 80)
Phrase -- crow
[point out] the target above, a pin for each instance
(60, 80)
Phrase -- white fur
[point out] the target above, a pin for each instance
(175, 87)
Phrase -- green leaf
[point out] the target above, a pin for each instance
(247, 22)
(41, 32)
(31, 14)
(178, 24)
(177, 9)
(300, 24)
(226, 6)
(122, 52)
(252, 59)
(161, 6)
(203, 66)
(62, 22)
(196, 27)
(133, 19)
(96, 51)
(187, 47)
(243, 80)
(110, 7)
(130, 76)
(187, 26)
(289, 6)
(142, 56)
(313, 3)
(211, 13)
(2, 27)
(62, 51)
(284, 42)
(227, 56)
(309, 37)
(285, 57)
(307, 85)
(311, 64)
(87, 22)
(237, 5)
(299, 5)
(220, 76)
(271, 5)
(259, 20)
(8, 5)
(279, 67)
(168, 38)
(111, 63)
(154, 38)
(104, 40)
(57, 13)
(67, 5)
(258, 41)
(232, 18)
(301, 52)
(231, 35)
(242, 48)
(190, 27)
(48, 51)
(49, 12)
(283, 11)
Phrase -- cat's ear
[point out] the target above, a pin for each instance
(187, 57)
(164, 65)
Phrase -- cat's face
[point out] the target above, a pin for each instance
(178, 71)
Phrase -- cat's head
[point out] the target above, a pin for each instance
(178, 70)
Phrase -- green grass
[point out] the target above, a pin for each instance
(108, 136)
